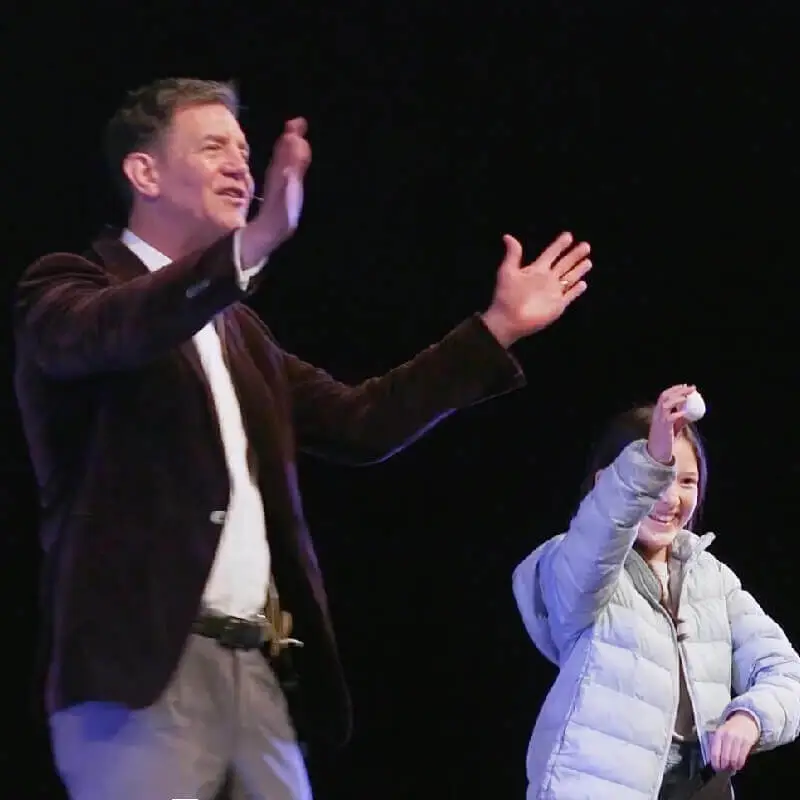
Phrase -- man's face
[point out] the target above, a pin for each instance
(204, 181)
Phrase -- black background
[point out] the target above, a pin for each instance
(665, 134)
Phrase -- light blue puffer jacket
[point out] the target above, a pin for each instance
(590, 604)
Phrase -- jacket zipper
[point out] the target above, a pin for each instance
(677, 694)
(683, 664)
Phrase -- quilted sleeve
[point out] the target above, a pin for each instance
(576, 575)
(766, 668)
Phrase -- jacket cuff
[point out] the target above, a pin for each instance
(244, 272)
(638, 469)
(503, 370)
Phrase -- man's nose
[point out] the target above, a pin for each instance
(236, 167)
(239, 172)
(235, 161)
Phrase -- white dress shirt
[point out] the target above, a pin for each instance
(239, 576)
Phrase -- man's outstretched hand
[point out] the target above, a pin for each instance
(278, 215)
(530, 297)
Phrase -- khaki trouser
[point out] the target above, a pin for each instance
(222, 714)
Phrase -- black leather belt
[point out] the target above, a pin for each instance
(232, 632)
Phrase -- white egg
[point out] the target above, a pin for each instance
(694, 406)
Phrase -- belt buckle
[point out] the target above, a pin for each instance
(230, 635)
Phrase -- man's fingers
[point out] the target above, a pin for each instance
(298, 160)
(569, 260)
(553, 250)
(513, 255)
(574, 292)
(576, 273)
(292, 153)
(297, 126)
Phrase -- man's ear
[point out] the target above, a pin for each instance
(141, 170)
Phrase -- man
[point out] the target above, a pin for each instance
(163, 422)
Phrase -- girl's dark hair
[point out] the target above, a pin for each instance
(635, 424)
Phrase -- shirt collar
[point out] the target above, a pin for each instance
(153, 259)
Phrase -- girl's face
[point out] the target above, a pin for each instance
(674, 509)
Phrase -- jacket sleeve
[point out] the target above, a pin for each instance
(74, 319)
(766, 668)
(577, 573)
(369, 422)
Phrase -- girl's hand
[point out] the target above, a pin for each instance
(669, 416)
(732, 742)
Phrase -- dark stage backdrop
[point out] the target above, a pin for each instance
(665, 133)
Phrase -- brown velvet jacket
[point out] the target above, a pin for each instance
(132, 477)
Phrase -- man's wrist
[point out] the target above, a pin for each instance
(499, 327)
(256, 244)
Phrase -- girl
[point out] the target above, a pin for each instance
(652, 634)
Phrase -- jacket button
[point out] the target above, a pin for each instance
(217, 517)
(198, 287)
